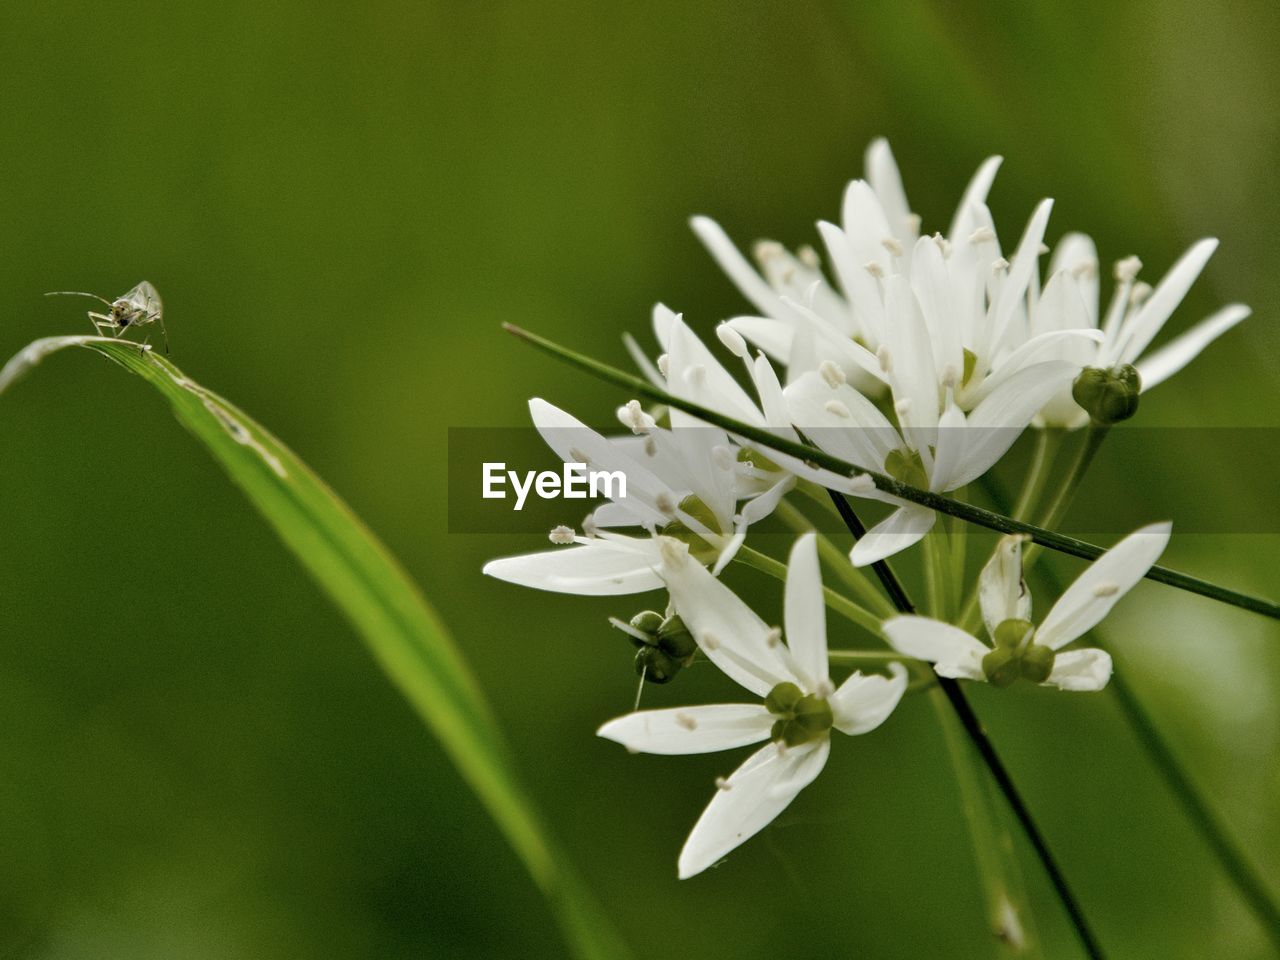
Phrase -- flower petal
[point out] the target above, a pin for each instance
(575, 442)
(805, 614)
(912, 375)
(886, 181)
(952, 652)
(949, 457)
(997, 421)
(963, 224)
(860, 287)
(596, 567)
(763, 504)
(1103, 583)
(694, 374)
(749, 800)
(841, 421)
(1162, 364)
(744, 276)
(1077, 255)
(902, 528)
(1013, 287)
(1141, 329)
(774, 337)
(1084, 670)
(728, 631)
(1002, 591)
(864, 701)
(681, 730)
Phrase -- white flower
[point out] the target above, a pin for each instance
(694, 374)
(801, 704)
(935, 445)
(1020, 649)
(604, 565)
(686, 477)
(974, 302)
(1134, 319)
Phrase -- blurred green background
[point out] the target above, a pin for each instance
(339, 204)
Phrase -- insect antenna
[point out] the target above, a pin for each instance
(77, 293)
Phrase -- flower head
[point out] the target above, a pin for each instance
(1136, 315)
(799, 706)
(1019, 649)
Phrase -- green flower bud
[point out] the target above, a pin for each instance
(1012, 633)
(675, 640)
(1037, 663)
(906, 466)
(970, 366)
(648, 622)
(1108, 396)
(656, 666)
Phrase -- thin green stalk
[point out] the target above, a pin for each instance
(854, 658)
(958, 541)
(1231, 858)
(1056, 512)
(837, 560)
(926, 498)
(986, 749)
(1048, 442)
(835, 601)
(1008, 910)
(936, 585)
(1211, 827)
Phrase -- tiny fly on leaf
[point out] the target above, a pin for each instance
(137, 308)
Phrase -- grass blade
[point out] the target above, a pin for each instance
(367, 584)
(934, 501)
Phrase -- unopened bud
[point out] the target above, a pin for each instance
(1108, 396)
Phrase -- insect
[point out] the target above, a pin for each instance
(137, 308)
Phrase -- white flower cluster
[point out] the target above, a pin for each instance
(919, 356)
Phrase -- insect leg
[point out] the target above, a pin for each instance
(159, 318)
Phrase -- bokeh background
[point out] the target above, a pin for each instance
(340, 203)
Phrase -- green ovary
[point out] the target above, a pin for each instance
(801, 717)
(1015, 656)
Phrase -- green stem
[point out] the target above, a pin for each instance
(1070, 483)
(1008, 911)
(1048, 442)
(936, 581)
(837, 560)
(835, 601)
(958, 540)
(1217, 836)
(853, 658)
(987, 750)
(926, 498)
(1246, 879)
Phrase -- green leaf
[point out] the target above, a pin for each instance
(367, 584)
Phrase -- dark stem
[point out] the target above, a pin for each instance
(986, 749)
(1231, 858)
(934, 501)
